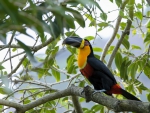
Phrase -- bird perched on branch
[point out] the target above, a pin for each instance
(95, 70)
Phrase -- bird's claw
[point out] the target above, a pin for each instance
(98, 91)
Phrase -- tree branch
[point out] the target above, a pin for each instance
(77, 105)
(13, 56)
(115, 31)
(36, 48)
(108, 101)
(148, 1)
(125, 32)
(11, 104)
(13, 71)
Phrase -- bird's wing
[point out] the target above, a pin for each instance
(100, 66)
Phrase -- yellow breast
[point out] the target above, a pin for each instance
(82, 56)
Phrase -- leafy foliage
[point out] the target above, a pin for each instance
(30, 74)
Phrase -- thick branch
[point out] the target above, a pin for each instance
(125, 32)
(115, 31)
(112, 103)
(11, 104)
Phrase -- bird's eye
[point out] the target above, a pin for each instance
(86, 43)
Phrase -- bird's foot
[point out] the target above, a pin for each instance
(99, 91)
(86, 92)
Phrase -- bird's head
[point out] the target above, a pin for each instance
(76, 42)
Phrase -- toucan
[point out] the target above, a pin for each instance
(95, 70)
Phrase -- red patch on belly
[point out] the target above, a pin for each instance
(87, 71)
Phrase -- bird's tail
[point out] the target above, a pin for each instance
(129, 95)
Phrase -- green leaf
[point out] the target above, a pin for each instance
(14, 49)
(118, 60)
(82, 84)
(5, 90)
(78, 17)
(71, 33)
(56, 74)
(111, 1)
(28, 52)
(26, 101)
(82, 99)
(148, 13)
(92, 23)
(135, 47)
(97, 49)
(121, 13)
(147, 37)
(139, 6)
(71, 67)
(103, 16)
(26, 77)
(118, 2)
(97, 56)
(103, 24)
(89, 38)
(118, 36)
(1, 67)
(148, 97)
(89, 16)
(111, 48)
(139, 15)
(126, 43)
(123, 25)
(89, 3)
(147, 71)
(132, 70)
(123, 70)
(72, 3)
(142, 87)
(54, 51)
(134, 31)
(71, 49)
(42, 71)
(25, 62)
(148, 24)
(69, 20)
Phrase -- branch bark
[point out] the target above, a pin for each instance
(148, 1)
(115, 31)
(36, 48)
(77, 105)
(13, 71)
(124, 33)
(112, 103)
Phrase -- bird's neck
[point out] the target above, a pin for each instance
(82, 56)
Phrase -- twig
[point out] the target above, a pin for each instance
(32, 82)
(13, 34)
(13, 71)
(115, 31)
(145, 62)
(125, 32)
(13, 56)
(64, 72)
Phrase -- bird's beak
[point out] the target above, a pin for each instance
(74, 41)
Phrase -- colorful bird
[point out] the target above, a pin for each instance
(95, 70)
